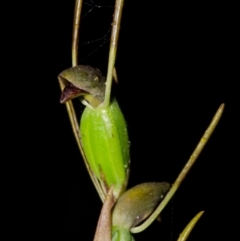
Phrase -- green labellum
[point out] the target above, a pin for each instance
(106, 145)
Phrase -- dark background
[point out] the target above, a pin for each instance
(176, 64)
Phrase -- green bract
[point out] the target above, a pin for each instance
(106, 145)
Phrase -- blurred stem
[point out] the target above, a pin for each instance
(75, 36)
(184, 171)
(113, 49)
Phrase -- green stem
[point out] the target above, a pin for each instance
(184, 171)
(113, 49)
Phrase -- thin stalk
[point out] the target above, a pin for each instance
(69, 105)
(113, 49)
(75, 37)
(75, 41)
(184, 171)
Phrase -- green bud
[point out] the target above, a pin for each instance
(106, 146)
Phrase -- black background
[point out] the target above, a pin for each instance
(176, 64)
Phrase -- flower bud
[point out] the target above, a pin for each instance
(103, 129)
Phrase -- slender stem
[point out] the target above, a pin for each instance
(113, 48)
(75, 37)
(184, 171)
(71, 113)
(69, 105)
